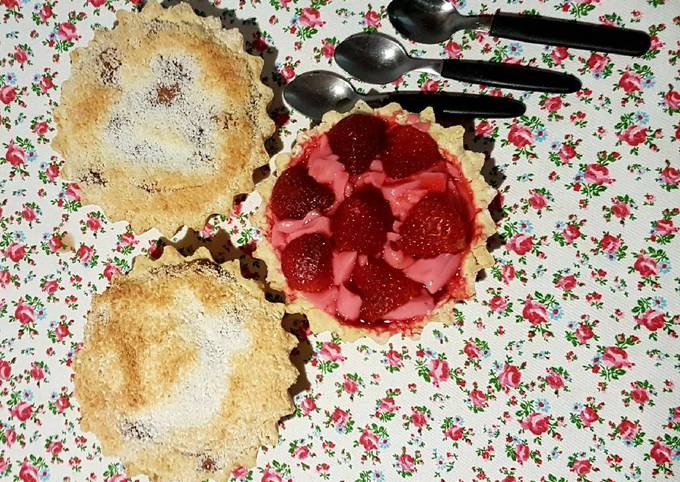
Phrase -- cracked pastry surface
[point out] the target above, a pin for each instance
(163, 119)
(376, 223)
(185, 370)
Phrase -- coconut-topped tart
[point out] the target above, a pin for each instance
(376, 223)
(163, 119)
(184, 372)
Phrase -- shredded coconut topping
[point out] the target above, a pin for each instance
(167, 122)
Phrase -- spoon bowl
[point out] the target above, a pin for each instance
(317, 92)
(430, 21)
(380, 58)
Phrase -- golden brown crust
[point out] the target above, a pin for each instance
(163, 119)
(185, 368)
(449, 139)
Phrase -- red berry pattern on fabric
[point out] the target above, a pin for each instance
(433, 227)
(382, 289)
(362, 221)
(409, 151)
(307, 263)
(357, 140)
(296, 193)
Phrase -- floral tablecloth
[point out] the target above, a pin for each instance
(565, 366)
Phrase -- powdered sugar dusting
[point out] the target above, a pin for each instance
(167, 122)
(198, 397)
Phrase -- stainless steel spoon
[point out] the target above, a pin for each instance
(434, 21)
(380, 59)
(317, 92)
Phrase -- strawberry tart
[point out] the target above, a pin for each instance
(376, 223)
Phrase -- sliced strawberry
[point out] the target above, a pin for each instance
(409, 151)
(357, 140)
(296, 193)
(382, 289)
(307, 263)
(362, 221)
(432, 227)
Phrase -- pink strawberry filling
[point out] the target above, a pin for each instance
(439, 277)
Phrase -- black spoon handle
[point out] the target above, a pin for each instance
(510, 76)
(568, 33)
(452, 104)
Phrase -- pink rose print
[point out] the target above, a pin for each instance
(15, 252)
(45, 13)
(5, 370)
(288, 73)
(430, 86)
(588, 416)
(10, 3)
(349, 385)
(340, 417)
(270, 475)
(372, 19)
(597, 174)
(584, 333)
(308, 405)
(369, 440)
(406, 463)
(498, 304)
(394, 359)
(301, 453)
(664, 227)
(439, 371)
(661, 453)
(67, 31)
(553, 104)
(46, 84)
(630, 82)
(510, 377)
(672, 99)
(535, 312)
(597, 63)
(521, 244)
(15, 155)
(639, 395)
(615, 357)
(37, 373)
(25, 314)
(670, 175)
(634, 135)
(478, 398)
(96, 3)
(536, 423)
(453, 50)
(454, 433)
(419, 419)
(5, 278)
(537, 200)
(610, 244)
(571, 233)
(331, 352)
(559, 55)
(239, 473)
(61, 332)
(310, 17)
(652, 320)
(328, 50)
(85, 254)
(55, 447)
(567, 283)
(22, 411)
(627, 429)
(566, 153)
(520, 136)
(110, 271)
(508, 271)
(471, 350)
(522, 453)
(555, 380)
(73, 192)
(7, 94)
(28, 472)
(51, 287)
(620, 210)
(62, 403)
(646, 265)
(582, 467)
(484, 129)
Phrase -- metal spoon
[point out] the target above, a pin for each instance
(317, 92)
(379, 59)
(434, 21)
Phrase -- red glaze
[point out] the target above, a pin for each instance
(405, 213)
